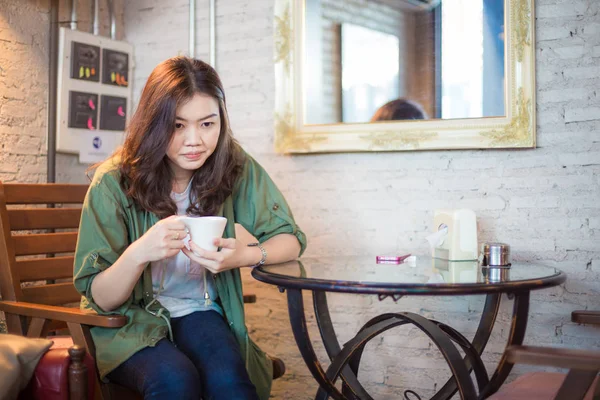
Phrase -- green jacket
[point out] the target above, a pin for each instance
(109, 223)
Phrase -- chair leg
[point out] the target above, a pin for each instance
(78, 382)
(14, 324)
(576, 384)
(249, 298)
(36, 327)
(82, 337)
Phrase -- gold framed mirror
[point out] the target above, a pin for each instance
(400, 75)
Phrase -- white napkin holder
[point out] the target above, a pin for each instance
(457, 271)
(455, 235)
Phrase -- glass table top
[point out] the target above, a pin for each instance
(434, 276)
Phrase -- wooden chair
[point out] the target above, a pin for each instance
(581, 382)
(35, 310)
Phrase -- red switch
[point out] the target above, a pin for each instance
(90, 124)
(120, 111)
(91, 104)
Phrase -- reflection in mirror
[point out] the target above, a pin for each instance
(444, 57)
(362, 93)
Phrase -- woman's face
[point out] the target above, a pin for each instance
(197, 128)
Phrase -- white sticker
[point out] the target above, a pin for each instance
(96, 146)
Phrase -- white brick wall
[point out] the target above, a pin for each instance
(544, 202)
(24, 27)
(23, 90)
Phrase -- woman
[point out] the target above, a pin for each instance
(186, 337)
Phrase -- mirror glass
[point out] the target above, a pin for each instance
(381, 60)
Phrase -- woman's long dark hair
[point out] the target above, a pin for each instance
(145, 173)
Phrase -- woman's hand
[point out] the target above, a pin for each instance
(163, 240)
(234, 253)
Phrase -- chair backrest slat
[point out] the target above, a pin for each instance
(55, 294)
(44, 218)
(27, 211)
(39, 269)
(44, 193)
(44, 243)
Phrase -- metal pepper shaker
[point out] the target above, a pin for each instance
(495, 255)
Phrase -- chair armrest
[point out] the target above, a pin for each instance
(586, 317)
(554, 357)
(65, 314)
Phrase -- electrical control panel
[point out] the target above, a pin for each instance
(114, 111)
(83, 110)
(94, 94)
(115, 66)
(85, 62)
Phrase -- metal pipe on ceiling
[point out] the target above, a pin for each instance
(52, 92)
(192, 39)
(211, 36)
(113, 20)
(92, 7)
(74, 14)
(95, 17)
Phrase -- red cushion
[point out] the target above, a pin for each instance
(535, 386)
(50, 380)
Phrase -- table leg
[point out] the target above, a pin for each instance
(484, 331)
(300, 330)
(346, 360)
(472, 358)
(351, 349)
(439, 338)
(515, 337)
(351, 388)
(354, 361)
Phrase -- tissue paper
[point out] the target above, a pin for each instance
(437, 238)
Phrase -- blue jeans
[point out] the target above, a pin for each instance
(206, 364)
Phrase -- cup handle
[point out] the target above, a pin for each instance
(187, 237)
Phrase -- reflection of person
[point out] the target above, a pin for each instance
(399, 109)
(186, 335)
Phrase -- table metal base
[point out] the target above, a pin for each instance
(345, 361)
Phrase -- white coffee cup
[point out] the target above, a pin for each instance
(204, 230)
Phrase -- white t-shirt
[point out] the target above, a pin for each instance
(183, 286)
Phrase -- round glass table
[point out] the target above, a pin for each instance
(426, 277)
